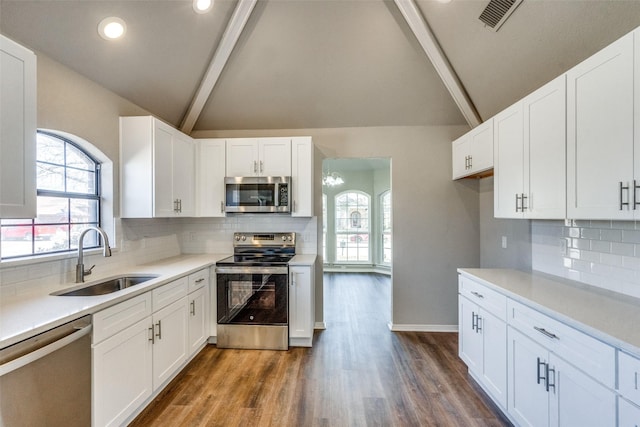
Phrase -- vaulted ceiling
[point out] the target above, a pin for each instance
(317, 63)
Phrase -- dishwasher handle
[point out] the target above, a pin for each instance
(38, 352)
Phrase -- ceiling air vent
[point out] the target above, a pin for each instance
(497, 11)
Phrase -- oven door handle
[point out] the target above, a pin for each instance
(252, 270)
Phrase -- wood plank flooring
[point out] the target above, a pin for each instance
(358, 373)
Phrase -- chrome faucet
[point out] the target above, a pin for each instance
(80, 271)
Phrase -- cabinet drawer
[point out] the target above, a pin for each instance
(169, 293)
(629, 377)
(114, 319)
(198, 279)
(492, 301)
(588, 354)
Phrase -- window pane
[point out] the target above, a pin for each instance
(79, 181)
(77, 159)
(50, 177)
(52, 210)
(90, 239)
(13, 248)
(50, 149)
(84, 211)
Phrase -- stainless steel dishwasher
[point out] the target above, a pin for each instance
(46, 380)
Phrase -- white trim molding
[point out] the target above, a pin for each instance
(422, 328)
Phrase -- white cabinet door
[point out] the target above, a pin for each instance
(170, 341)
(184, 172)
(482, 147)
(600, 118)
(528, 397)
(17, 131)
(242, 157)
(302, 174)
(460, 156)
(469, 338)
(509, 198)
(198, 319)
(274, 157)
(577, 400)
(122, 374)
(628, 414)
(301, 304)
(163, 197)
(545, 169)
(210, 172)
(494, 356)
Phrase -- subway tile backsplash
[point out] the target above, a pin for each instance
(605, 254)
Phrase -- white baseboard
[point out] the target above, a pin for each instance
(320, 325)
(356, 269)
(422, 328)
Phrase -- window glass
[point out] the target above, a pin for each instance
(352, 227)
(385, 204)
(68, 201)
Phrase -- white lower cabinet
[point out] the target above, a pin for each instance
(301, 305)
(482, 346)
(628, 414)
(545, 390)
(140, 344)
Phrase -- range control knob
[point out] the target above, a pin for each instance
(284, 238)
(244, 237)
(237, 237)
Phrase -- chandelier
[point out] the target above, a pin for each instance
(332, 179)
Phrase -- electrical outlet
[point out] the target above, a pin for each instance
(504, 242)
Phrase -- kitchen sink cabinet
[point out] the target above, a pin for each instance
(529, 155)
(628, 414)
(210, 173)
(472, 153)
(301, 305)
(157, 169)
(482, 337)
(258, 157)
(302, 174)
(140, 344)
(17, 130)
(602, 170)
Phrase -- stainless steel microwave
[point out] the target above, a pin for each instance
(269, 194)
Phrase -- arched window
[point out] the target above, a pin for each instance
(68, 183)
(352, 210)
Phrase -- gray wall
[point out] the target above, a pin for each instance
(517, 254)
(435, 220)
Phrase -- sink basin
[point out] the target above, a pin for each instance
(106, 286)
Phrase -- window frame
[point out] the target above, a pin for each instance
(68, 195)
(352, 230)
(384, 232)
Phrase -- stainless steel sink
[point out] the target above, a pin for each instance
(106, 286)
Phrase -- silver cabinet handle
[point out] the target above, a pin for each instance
(221, 206)
(255, 166)
(636, 380)
(470, 162)
(517, 200)
(622, 202)
(635, 191)
(261, 166)
(200, 280)
(159, 334)
(522, 205)
(540, 377)
(550, 385)
(479, 295)
(153, 336)
(193, 308)
(294, 206)
(546, 333)
(474, 321)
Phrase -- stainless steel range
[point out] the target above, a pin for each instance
(253, 292)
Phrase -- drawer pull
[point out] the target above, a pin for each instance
(546, 333)
(477, 294)
(200, 280)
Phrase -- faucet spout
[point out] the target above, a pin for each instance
(80, 271)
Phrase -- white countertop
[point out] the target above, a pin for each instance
(25, 315)
(611, 317)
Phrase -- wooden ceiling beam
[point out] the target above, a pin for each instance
(434, 52)
(229, 39)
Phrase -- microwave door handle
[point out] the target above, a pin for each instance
(276, 197)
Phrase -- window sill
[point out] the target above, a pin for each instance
(37, 259)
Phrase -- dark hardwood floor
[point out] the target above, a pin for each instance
(358, 373)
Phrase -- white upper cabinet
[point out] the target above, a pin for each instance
(259, 157)
(302, 168)
(600, 134)
(17, 131)
(210, 170)
(157, 176)
(472, 153)
(529, 155)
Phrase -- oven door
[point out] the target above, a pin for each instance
(253, 295)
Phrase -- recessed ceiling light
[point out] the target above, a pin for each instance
(112, 28)
(202, 6)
